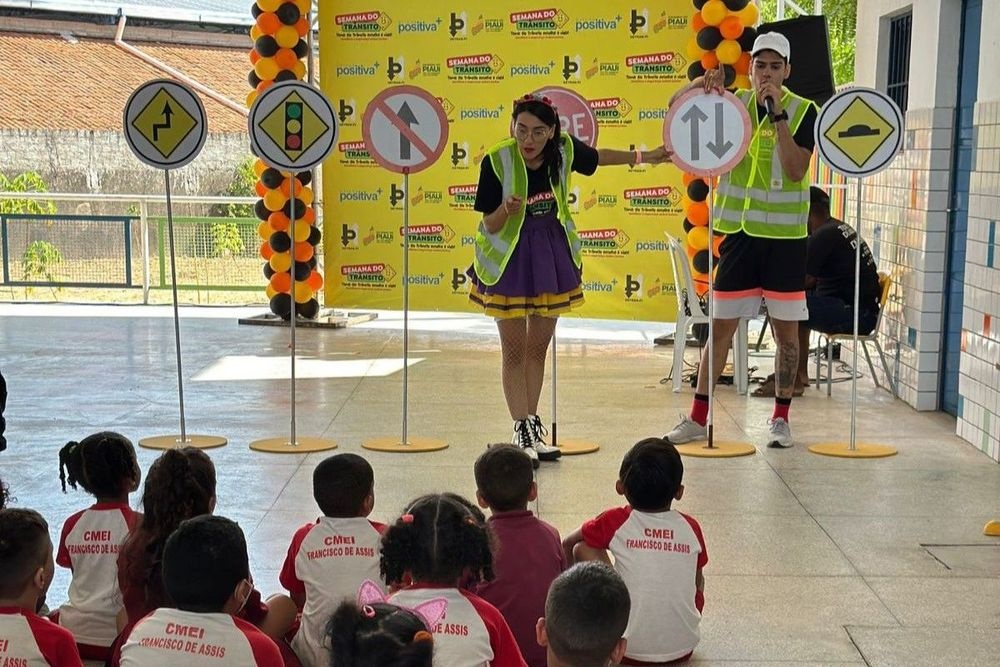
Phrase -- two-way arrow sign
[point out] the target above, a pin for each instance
(708, 133)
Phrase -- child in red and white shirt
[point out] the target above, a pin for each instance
(103, 465)
(329, 559)
(659, 552)
(26, 570)
(436, 544)
(206, 572)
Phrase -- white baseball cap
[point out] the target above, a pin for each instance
(772, 41)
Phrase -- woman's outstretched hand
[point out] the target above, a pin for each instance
(657, 155)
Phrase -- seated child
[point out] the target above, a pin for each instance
(433, 547)
(586, 613)
(26, 570)
(330, 558)
(104, 465)
(529, 555)
(206, 572)
(378, 635)
(659, 552)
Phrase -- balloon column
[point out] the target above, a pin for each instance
(723, 34)
(279, 46)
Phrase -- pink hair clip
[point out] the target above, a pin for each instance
(406, 518)
(368, 611)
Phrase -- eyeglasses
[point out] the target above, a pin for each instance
(537, 133)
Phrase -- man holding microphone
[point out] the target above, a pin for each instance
(762, 206)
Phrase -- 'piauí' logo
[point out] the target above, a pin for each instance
(430, 237)
(665, 65)
(372, 24)
(608, 241)
(539, 22)
(377, 275)
(663, 199)
(478, 67)
(426, 197)
(462, 197)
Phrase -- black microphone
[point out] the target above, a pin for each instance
(769, 105)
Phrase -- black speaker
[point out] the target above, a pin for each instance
(812, 66)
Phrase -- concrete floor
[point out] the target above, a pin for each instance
(813, 560)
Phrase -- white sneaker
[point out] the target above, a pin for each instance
(780, 436)
(522, 438)
(545, 451)
(687, 430)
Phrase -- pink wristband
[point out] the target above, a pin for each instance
(638, 157)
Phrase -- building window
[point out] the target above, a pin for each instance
(898, 81)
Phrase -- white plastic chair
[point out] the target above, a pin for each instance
(689, 311)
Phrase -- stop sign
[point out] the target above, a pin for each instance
(575, 114)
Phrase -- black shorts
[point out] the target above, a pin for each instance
(752, 268)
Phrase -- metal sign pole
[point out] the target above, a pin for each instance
(406, 298)
(555, 379)
(177, 318)
(857, 299)
(711, 316)
(291, 293)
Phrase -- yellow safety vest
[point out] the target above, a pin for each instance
(493, 251)
(757, 196)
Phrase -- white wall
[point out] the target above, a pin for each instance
(989, 46)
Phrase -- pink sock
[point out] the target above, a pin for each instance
(781, 406)
(699, 409)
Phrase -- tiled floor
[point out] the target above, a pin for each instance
(814, 560)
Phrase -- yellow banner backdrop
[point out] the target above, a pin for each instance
(625, 58)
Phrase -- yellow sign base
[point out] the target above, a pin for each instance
(575, 446)
(992, 529)
(303, 445)
(173, 441)
(412, 445)
(862, 450)
(720, 449)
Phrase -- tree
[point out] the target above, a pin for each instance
(29, 181)
(841, 20)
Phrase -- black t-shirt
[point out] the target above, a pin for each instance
(830, 260)
(804, 135)
(489, 194)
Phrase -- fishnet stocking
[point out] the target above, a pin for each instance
(524, 345)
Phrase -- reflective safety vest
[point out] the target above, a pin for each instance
(493, 251)
(757, 196)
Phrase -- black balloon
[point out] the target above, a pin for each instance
(255, 11)
(305, 177)
(268, 271)
(695, 70)
(730, 72)
(309, 310)
(288, 13)
(735, 5)
(314, 235)
(260, 210)
(253, 79)
(302, 270)
(698, 4)
(280, 242)
(312, 263)
(709, 37)
(700, 261)
(697, 190)
(747, 38)
(687, 225)
(301, 49)
(266, 46)
(271, 178)
(300, 208)
(285, 75)
(281, 305)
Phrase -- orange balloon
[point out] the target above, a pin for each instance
(709, 60)
(260, 189)
(697, 21)
(304, 6)
(742, 65)
(731, 27)
(264, 85)
(268, 23)
(302, 27)
(304, 251)
(286, 58)
(691, 251)
(281, 282)
(279, 221)
(308, 216)
(266, 252)
(717, 240)
(688, 178)
(286, 186)
(315, 280)
(697, 213)
(305, 195)
(254, 56)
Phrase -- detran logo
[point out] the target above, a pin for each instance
(459, 281)
(638, 22)
(375, 275)
(462, 197)
(633, 287)
(650, 67)
(462, 25)
(660, 200)
(346, 111)
(612, 111)
(477, 68)
(604, 242)
(539, 23)
(368, 25)
(434, 237)
(355, 154)
(460, 155)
